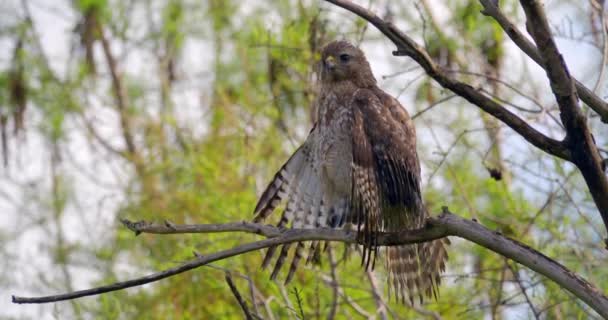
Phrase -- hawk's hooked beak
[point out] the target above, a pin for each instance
(330, 63)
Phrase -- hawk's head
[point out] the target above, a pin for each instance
(341, 61)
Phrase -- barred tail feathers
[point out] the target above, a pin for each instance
(415, 270)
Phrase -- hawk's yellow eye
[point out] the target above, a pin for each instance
(344, 57)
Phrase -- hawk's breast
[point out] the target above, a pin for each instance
(335, 144)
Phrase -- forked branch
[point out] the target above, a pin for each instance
(591, 99)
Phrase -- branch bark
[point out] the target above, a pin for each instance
(446, 224)
(238, 297)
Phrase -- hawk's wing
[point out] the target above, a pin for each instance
(386, 191)
(365, 193)
(383, 129)
(298, 184)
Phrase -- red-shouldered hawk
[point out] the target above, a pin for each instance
(358, 168)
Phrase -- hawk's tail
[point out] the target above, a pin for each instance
(415, 269)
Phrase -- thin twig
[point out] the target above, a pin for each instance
(340, 291)
(119, 92)
(541, 108)
(380, 304)
(334, 284)
(238, 297)
(515, 273)
(432, 105)
(603, 26)
(287, 300)
(252, 288)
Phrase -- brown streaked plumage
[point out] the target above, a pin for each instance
(358, 168)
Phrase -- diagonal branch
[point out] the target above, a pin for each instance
(446, 224)
(515, 273)
(579, 140)
(238, 297)
(590, 98)
(119, 92)
(407, 46)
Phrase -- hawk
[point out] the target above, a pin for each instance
(358, 168)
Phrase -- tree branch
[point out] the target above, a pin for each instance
(446, 224)
(579, 140)
(119, 92)
(407, 46)
(238, 297)
(591, 99)
(381, 307)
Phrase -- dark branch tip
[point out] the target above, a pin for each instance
(133, 226)
(400, 52)
(170, 225)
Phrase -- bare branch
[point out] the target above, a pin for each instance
(590, 98)
(328, 280)
(515, 273)
(407, 46)
(168, 227)
(334, 284)
(381, 307)
(238, 297)
(446, 224)
(119, 92)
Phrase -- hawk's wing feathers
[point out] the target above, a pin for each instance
(277, 189)
(296, 183)
(386, 169)
(365, 194)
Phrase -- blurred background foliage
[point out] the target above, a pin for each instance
(182, 110)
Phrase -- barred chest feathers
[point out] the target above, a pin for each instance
(335, 148)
